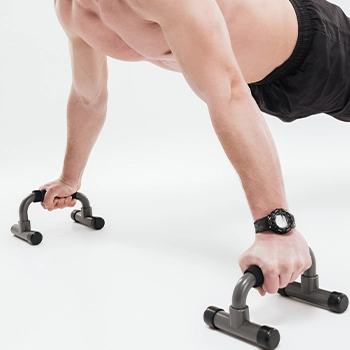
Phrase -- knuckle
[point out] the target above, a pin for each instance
(242, 259)
(286, 267)
(305, 264)
(299, 266)
(272, 270)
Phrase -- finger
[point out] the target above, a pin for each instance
(54, 204)
(285, 279)
(49, 200)
(294, 276)
(261, 291)
(73, 203)
(68, 201)
(271, 282)
(64, 202)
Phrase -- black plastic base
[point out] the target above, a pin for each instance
(268, 337)
(338, 302)
(97, 223)
(73, 213)
(36, 238)
(209, 315)
(282, 292)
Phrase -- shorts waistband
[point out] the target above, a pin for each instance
(302, 47)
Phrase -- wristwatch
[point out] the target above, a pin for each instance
(279, 221)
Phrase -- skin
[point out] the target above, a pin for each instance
(219, 46)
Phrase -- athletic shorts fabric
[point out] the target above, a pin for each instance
(316, 77)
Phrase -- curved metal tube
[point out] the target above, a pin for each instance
(311, 272)
(23, 208)
(83, 199)
(242, 288)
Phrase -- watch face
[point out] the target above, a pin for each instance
(281, 221)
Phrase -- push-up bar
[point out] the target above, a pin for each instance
(84, 216)
(237, 322)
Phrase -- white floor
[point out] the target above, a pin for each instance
(176, 216)
(146, 278)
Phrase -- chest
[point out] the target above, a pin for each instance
(113, 27)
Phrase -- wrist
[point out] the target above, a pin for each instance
(74, 182)
(274, 235)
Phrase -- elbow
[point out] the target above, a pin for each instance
(220, 97)
(89, 98)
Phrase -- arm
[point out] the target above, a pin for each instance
(86, 113)
(198, 37)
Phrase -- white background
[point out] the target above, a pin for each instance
(176, 215)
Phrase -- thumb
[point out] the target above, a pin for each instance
(49, 199)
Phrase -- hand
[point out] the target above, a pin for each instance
(282, 258)
(58, 195)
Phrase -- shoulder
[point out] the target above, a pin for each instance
(149, 7)
(64, 12)
(155, 10)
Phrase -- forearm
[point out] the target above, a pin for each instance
(249, 146)
(84, 123)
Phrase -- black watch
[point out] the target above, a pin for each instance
(279, 221)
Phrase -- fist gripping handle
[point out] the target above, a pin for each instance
(237, 321)
(23, 228)
(39, 195)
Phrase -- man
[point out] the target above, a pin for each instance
(285, 56)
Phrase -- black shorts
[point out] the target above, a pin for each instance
(316, 77)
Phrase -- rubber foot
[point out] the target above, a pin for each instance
(268, 338)
(209, 315)
(282, 292)
(74, 212)
(97, 223)
(36, 238)
(338, 302)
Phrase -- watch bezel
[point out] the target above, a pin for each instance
(271, 219)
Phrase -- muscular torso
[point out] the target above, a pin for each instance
(263, 32)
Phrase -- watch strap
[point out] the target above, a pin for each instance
(262, 225)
